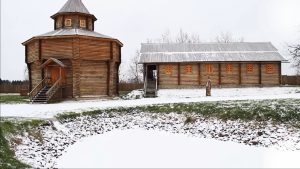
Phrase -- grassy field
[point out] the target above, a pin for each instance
(7, 130)
(13, 99)
(279, 111)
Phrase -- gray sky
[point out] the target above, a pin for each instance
(135, 21)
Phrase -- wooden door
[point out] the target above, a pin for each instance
(55, 72)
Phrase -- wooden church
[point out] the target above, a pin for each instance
(73, 60)
(187, 65)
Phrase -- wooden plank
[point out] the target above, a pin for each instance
(108, 77)
(219, 69)
(55, 20)
(111, 51)
(157, 68)
(259, 70)
(40, 49)
(199, 73)
(279, 73)
(63, 21)
(178, 73)
(26, 54)
(240, 73)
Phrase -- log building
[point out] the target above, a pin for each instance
(72, 60)
(186, 65)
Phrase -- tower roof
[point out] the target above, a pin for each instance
(73, 6)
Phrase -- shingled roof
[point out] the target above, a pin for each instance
(188, 52)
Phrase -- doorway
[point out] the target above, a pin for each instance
(151, 77)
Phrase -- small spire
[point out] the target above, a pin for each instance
(74, 6)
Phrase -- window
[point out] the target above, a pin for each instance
(68, 22)
(269, 68)
(249, 68)
(82, 23)
(168, 69)
(188, 69)
(209, 68)
(229, 68)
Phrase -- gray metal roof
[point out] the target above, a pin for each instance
(74, 6)
(65, 32)
(187, 52)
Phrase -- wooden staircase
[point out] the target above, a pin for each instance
(41, 96)
(44, 92)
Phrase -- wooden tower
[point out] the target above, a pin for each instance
(73, 60)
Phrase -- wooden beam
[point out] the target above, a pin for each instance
(55, 20)
(199, 73)
(29, 74)
(120, 55)
(118, 79)
(178, 73)
(157, 78)
(240, 73)
(259, 71)
(108, 77)
(219, 67)
(40, 49)
(279, 71)
(63, 21)
(26, 54)
(111, 51)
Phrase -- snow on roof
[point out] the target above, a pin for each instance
(190, 52)
(65, 32)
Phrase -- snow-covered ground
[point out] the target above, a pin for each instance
(42, 147)
(140, 148)
(164, 96)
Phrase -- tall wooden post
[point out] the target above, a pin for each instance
(178, 73)
(240, 73)
(279, 71)
(259, 70)
(157, 75)
(199, 74)
(108, 77)
(219, 67)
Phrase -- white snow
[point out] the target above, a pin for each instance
(138, 148)
(164, 96)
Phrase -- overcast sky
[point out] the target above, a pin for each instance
(135, 21)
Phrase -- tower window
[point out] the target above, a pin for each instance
(68, 22)
(82, 23)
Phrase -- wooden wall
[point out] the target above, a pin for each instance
(57, 48)
(93, 78)
(230, 78)
(92, 63)
(187, 78)
(94, 49)
(270, 78)
(259, 76)
(250, 78)
(214, 76)
(168, 80)
(36, 73)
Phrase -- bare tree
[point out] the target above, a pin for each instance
(227, 38)
(136, 69)
(166, 37)
(295, 52)
(182, 37)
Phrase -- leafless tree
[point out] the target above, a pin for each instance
(136, 69)
(295, 52)
(227, 38)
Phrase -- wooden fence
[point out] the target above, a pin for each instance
(290, 80)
